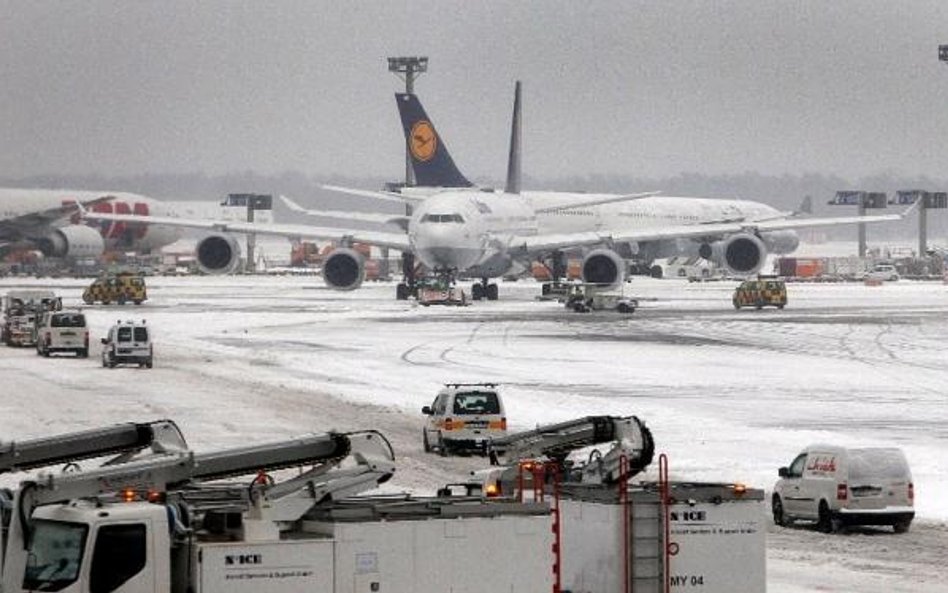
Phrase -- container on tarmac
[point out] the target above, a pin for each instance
(715, 541)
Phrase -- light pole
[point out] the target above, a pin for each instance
(407, 68)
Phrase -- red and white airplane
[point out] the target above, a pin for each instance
(49, 220)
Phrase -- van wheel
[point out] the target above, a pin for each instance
(442, 447)
(424, 441)
(780, 519)
(902, 526)
(827, 522)
(82, 353)
(149, 363)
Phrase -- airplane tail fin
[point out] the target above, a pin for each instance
(430, 159)
(513, 160)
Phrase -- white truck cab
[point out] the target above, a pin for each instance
(62, 331)
(128, 342)
(837, 487)
(464, 416)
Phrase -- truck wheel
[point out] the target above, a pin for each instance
(82, 353)
(401, 292)
(492, 292)
(149, 364)
(625, 308)
(902, 526)
(424, 441)
(137, 302)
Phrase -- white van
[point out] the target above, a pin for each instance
(464, 416)
(62, 331)
(838, 487)
(128, 342)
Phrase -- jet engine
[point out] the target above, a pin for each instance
(781, 242)
(77, 240)
(742, 254)
(344, 269)
(218, 254)
(604, 267)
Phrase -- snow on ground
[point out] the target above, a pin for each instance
(730, 395)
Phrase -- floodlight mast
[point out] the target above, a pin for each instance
(408, 68)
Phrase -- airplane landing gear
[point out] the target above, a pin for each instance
(407, 288)
(484, 289)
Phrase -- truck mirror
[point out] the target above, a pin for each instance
(426, 410)
(783, 472)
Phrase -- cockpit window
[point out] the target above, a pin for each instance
(442, 218)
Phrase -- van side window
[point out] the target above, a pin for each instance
(796, 468)
(120, 554)
(439, 405)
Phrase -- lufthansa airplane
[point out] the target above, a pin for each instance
(458, 230)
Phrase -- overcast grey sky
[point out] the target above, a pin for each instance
(637, 88)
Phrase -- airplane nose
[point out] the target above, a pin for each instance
(443, 247)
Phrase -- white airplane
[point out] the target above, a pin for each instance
(460, 230)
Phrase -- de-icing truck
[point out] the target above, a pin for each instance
(155, 519)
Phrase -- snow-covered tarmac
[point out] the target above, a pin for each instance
(730, 395)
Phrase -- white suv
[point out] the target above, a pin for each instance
(884, 272)
(837, 487)
(464, 416)
(62, 331)
(128, 342)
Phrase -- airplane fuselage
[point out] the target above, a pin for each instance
(472, 231)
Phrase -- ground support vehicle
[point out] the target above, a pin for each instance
(837, 487)
(62, 331)
(613, 535)
(21, 311)
(451, 295)
(464, 417)
(760, 293)
(584, 298)
(118, 288)
(653, 537)
(128, 342)
(554, 291)
(163, 523)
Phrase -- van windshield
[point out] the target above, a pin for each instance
(870, 464)
(476, 402)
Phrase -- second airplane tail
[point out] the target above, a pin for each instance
(430, 159)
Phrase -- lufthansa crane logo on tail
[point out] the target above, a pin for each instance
(423, 142)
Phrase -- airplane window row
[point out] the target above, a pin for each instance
(442, 218)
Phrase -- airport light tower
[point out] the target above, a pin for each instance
(408, 68)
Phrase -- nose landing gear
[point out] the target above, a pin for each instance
(484, 289)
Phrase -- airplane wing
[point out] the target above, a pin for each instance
(291, 231)
(376, 217)
(597, 201)
(712, 231)
(388, 196)
(17, 227)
